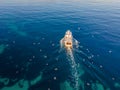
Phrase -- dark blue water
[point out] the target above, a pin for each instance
(30, 54)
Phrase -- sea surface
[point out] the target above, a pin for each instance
(31, 57)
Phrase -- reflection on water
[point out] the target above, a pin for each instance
(30, 53)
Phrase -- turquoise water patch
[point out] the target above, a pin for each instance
(97, 86)
(25, 86)
(21, 84)
(65, 86)
(5, 81)
(37, 79)
(80, 71)
(80, 74)
(16, 30)
(81, 84)
(117, 85)
(2, 48)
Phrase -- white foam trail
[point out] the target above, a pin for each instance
(74, 71)
(68, 42)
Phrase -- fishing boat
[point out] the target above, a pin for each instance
(67, 40)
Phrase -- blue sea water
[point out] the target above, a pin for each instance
(30, 53)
